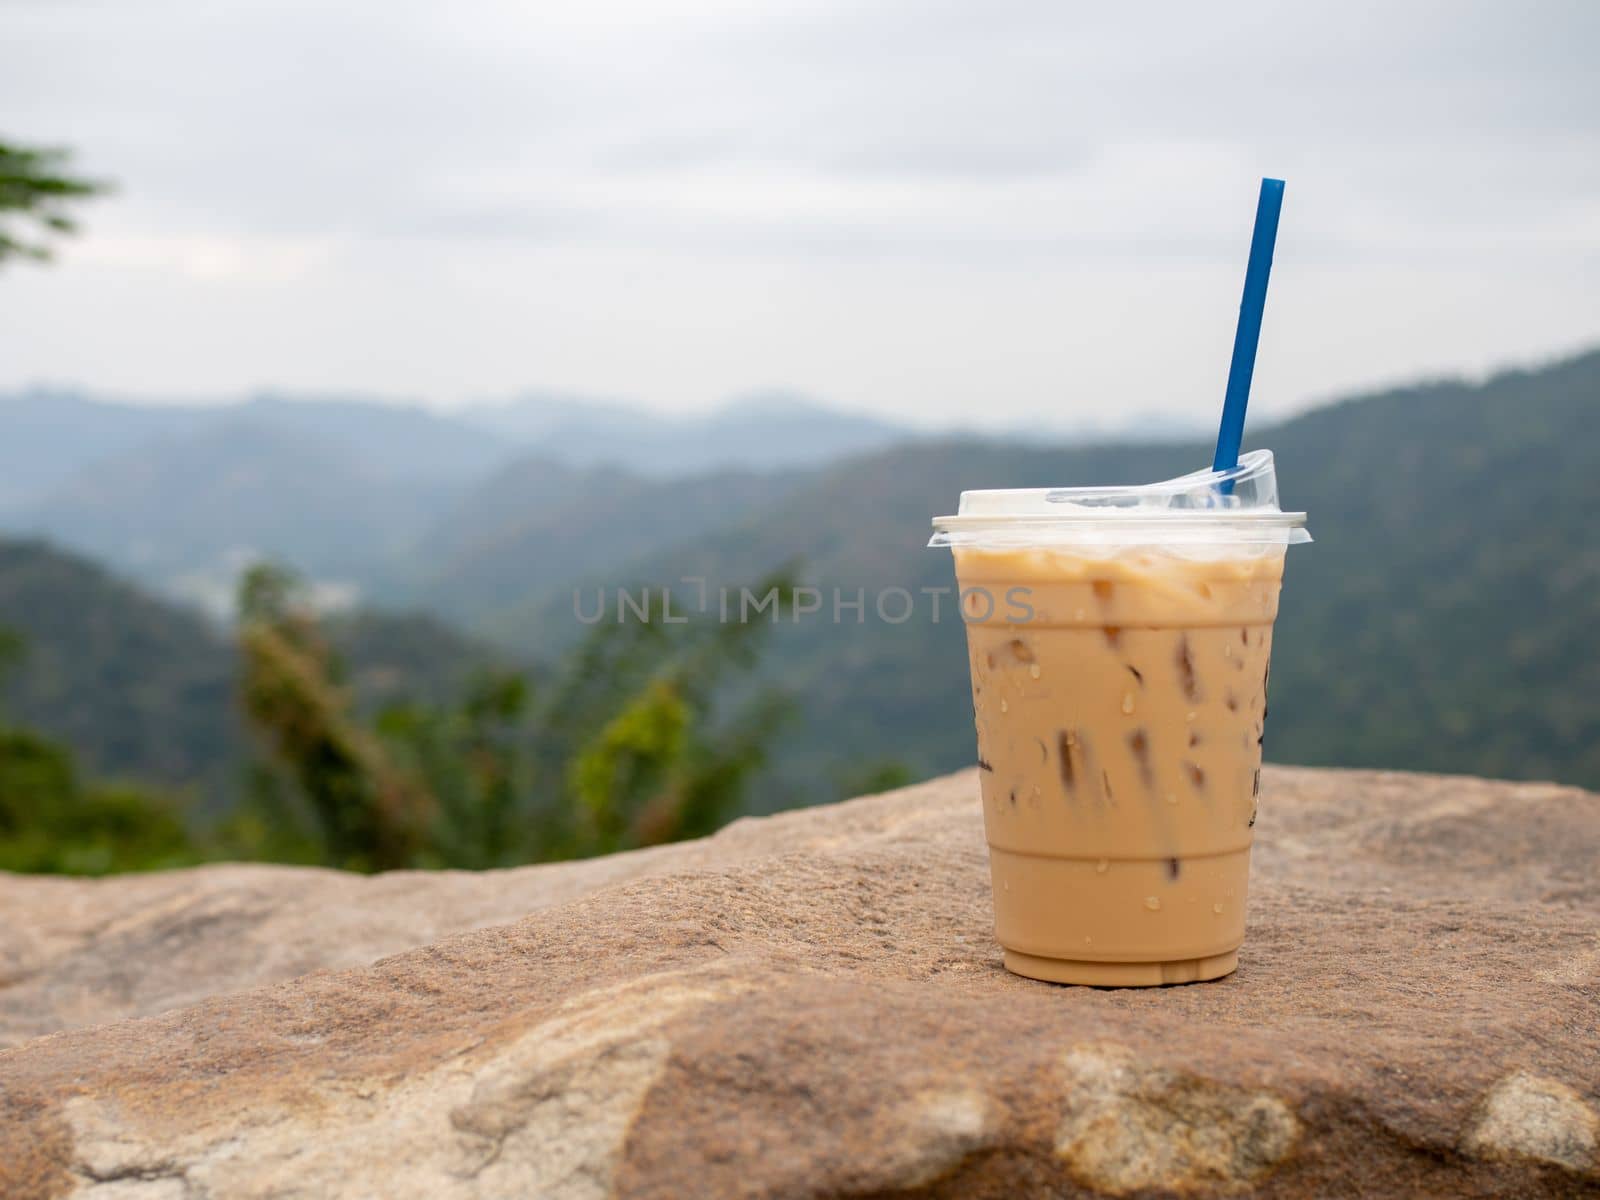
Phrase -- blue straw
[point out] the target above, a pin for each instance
(1249, 333)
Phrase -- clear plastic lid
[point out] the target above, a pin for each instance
(1237, 507)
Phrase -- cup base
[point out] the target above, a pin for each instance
(1121, 974)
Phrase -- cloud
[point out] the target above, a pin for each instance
(872, 148)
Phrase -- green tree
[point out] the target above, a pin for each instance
(477, 767)
(37, 192)
(366, 814)
(643, 734)
(53, 822)
(653, 728)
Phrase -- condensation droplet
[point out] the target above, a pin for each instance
(1004, 707)
(1127, 703)
(1172, 797)
(1077, 614)
(1227, 652)
(1102, 866)
(1153, 903)
(1217, 908)
(1035, 671)
(1088, 941)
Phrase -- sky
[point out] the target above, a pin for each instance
(948, 213)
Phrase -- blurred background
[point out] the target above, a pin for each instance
(343, 344)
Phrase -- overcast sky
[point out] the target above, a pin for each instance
(941, 211)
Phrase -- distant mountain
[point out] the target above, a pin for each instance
(1442, 620)
(529, 419)
(136, 686)
(537, 526)
(385, 500)
(385, 439)
(237, 488)
(764, 431)
(52, 435)
(181, 495)
(49, 436)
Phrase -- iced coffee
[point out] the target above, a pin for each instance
(1119, 642)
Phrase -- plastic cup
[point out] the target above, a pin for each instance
(1119, 641)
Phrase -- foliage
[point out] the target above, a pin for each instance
(1432, 625)
(144, 689)
(368, 815)
(633, 740)
(1437, 623)
(10, 649)
(37, 191)
(50, 821)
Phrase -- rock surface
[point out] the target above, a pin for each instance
(812, 1005)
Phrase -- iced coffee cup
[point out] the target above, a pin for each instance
(1119, 641)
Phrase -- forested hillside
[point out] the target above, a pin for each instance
(144, 689)
(1430, 626)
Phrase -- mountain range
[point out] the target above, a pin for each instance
(367, 495)
(757, 432)
(1443, 619)
(1439, 621)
